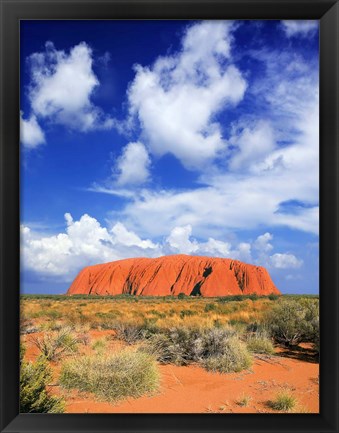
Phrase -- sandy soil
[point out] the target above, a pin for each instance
(194, 390)
(191, 389)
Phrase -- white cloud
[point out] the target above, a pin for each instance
(124, 237)
(299, 28)
(84, 242)
(31, 135)
(285, 261)
(253, 144)
(272, 158)
(262, 243)
(62, 85)
(230, 202)
(179, 239)
(177, 98)
(132, 167)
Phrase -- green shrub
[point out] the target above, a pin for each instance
(283, 401)
(34, 398)
(293, 321)
(235, 357)
(53, 345)
(182, 295)
(124, 374)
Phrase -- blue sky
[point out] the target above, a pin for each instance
(145, 138)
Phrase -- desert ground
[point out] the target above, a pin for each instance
(167, 354)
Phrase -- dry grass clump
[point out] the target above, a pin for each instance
(284, 401)
(53, 345)
(259, 342)
(129, 332)
(234, 358)
(125, 374)
(244, 400)
(217, 349)
(182, 346)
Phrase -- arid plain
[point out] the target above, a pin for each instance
(167, 354)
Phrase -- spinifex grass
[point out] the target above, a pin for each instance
(260, 343)
(284, 401)
(125, 374)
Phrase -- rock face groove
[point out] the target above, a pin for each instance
(171, 275)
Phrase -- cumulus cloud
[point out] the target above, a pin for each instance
(179, 239)
(124, 237)
(84, 242)
(31, 134)
(176, 99)
(285, 261)
(252, 144)
(62, 85)
(299, 28)
(132, 167)
(262, 243)
(271, 156)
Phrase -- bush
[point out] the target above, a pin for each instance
(165, 350)
(182, 346)
(283, 401)
(124, 374)
(260, 343)
(132, 333)
(182, 295)
(235, 357)
(53, 345)
(34, 398)
(293, 321)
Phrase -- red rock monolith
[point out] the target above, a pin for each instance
(171, 275)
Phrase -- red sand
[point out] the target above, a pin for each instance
(192, 389)
(171, 275)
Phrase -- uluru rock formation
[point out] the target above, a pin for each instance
(171, 275)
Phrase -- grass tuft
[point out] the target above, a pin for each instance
(260, 343)
(53, 345)
(284, 401)
(125, 374)
(244, 400)
(235, 357)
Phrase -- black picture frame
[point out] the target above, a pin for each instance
(12, 11)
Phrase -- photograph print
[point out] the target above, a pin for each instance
(169, 211)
